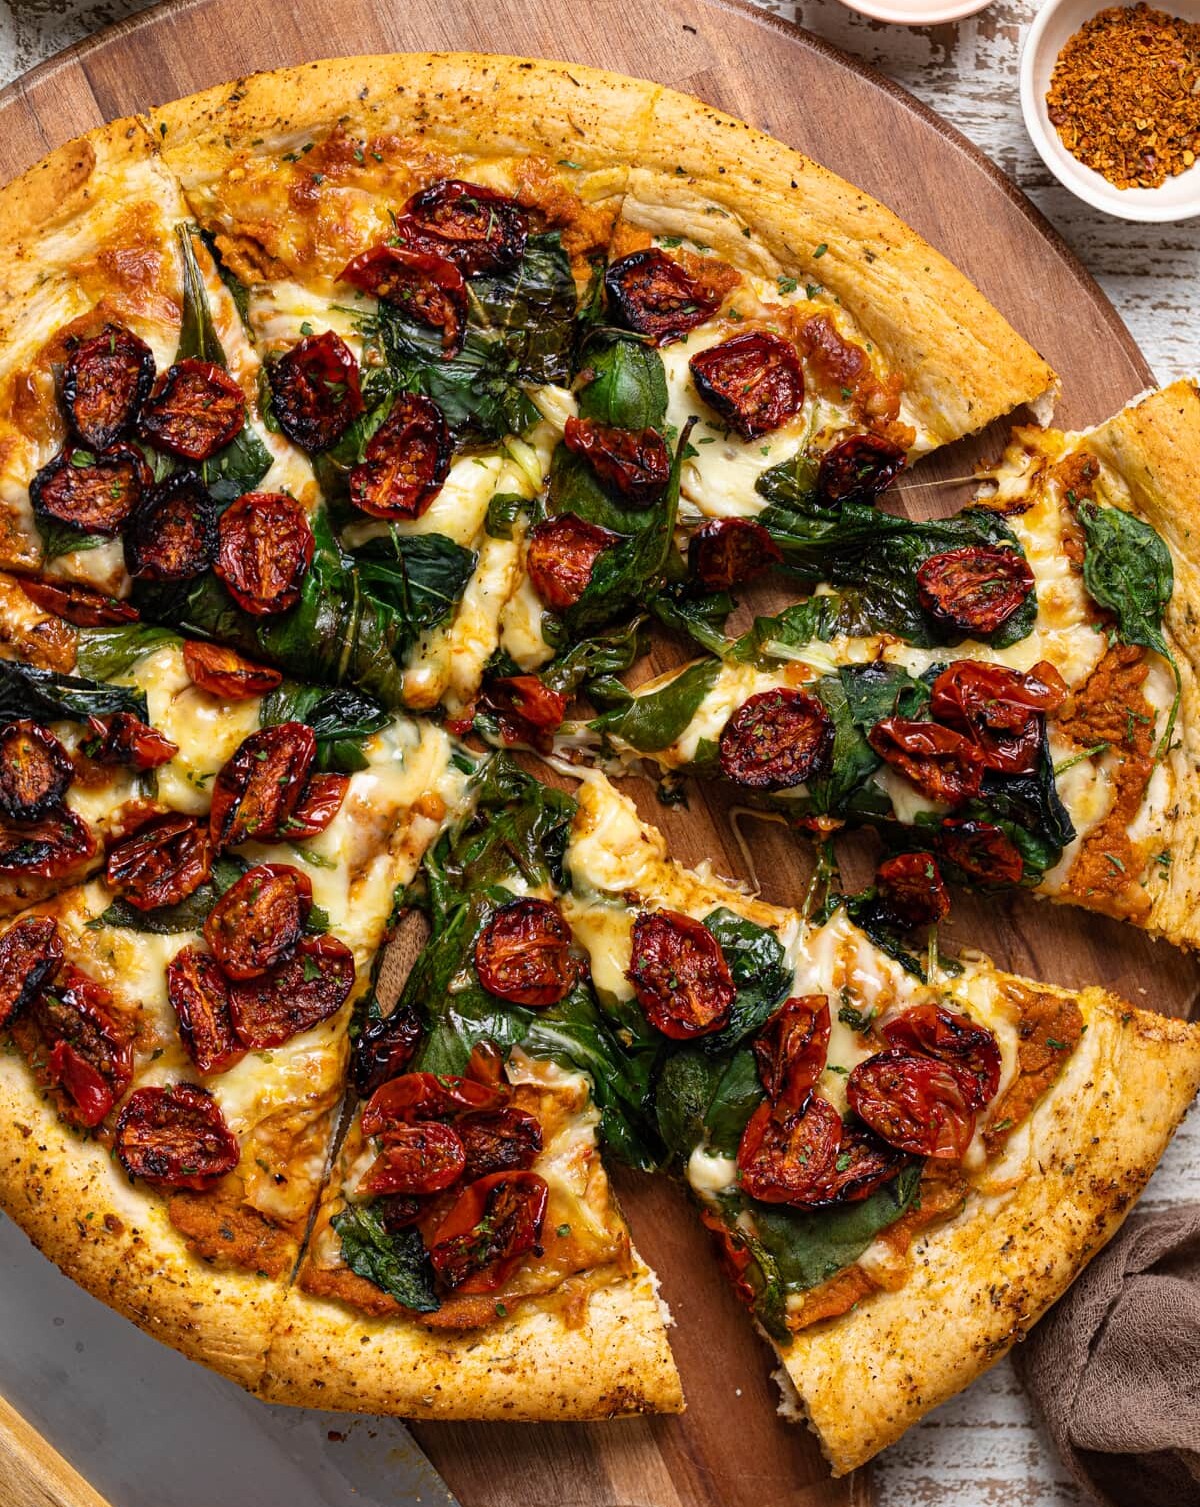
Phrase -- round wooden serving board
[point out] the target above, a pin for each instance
(729, 1448)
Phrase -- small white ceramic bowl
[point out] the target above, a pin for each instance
(1177, 199)
(916, 12)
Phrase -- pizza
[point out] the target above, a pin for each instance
(365, 421)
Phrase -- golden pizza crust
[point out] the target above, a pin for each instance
(759, 204)
(1069, 1175)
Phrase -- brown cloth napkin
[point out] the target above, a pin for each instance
(1114, 1367)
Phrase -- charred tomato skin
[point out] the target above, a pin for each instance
(753, 381)
(476, 228)
(53, 846)
(786, 1161)
(127, 741)
(35, 770)
(527, 710)
(223, 672)
(942, 763)
(259, 920)
(918, 1104)
(81, 606)
(384, 1048)
(523, 954)
(502, 1140)
(561, 556)
(679, 975)
(199, 995)
(297, 994)
(982, 852)
(264, 548)
(257, 790)
(975, 588)
(496, 1221)
(316, 391)
(90, 1053)
(31, 953)
(954, 1039)
(425, 1157)
(196, 409)
(650, 293)
(858, 469)
(426, 285)
(633, 464)
(92, 491)
(162, 862)
(427, 1096)
(999, 709)
(728, 552)
(405, 461)
(172, 534)
(791, 1050)
(776, 740)
(175, 1137)
(104, 383)
(320, 801)
(912, 889)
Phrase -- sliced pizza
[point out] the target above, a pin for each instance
(1009, 693)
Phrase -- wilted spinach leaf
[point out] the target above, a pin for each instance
(420, 576)
(171, 920)
(102, 653)
(624, 382)
(399, 1263)
(755, 958)
(342, 720)
(655, 720)
(47, 696)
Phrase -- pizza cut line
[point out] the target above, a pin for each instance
(360, 415)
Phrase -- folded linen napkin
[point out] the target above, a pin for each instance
(1114, 1367)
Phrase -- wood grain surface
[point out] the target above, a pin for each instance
(34, 1475)
(729, 1448)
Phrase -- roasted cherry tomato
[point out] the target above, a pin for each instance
(785, 1162)
(503, 1140)
(199, 995)
(679, 975)
(728, 552)
(858, 469)
(777, 739)
(31, 953)
(476, 228)
(734, 1253)
(91, 1057)
(319, 803)
(954, 1039)
(753, 381)
(864, 1163)
(79, 605)
(941, 763)
(651, 293)
(999, 709)
(259, 919)
(195, 410)
(164, 861)
(427, 1096)
(975, 588)
(427, 286)
(633, 463)
(175, 1137)
(49, 848)
(790, 1051)
(561, 556)
(128, 741)
(486, 1064)
(384, 1048)
(257, 791)
(315, 391)
(313, 984)
(915, 1103)
(224, 673)
(399, 1211)
(912, 889)
(104, 384)
(527, 710)
(264, 549)
(405, 463)
(94, 492)
(421, 1158)
(495, 1222)
(523, 954)
(983, 853)
(173, 534)
(35, 770)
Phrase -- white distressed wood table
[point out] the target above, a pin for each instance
(984, 1449)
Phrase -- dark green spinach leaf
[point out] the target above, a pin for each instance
(46, 696)
(398, 1264)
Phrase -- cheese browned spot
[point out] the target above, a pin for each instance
(843, 369)
(585, 228)
(1048, 1031)
(219, 1227)
(1110, 708)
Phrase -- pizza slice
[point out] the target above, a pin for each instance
(469, 1230)
(180, 1024)
(1008, 693)
(902, 1175)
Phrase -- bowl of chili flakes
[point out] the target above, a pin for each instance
(1111, 99)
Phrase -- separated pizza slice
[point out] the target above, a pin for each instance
(901, 1175)
(468, 1258)
(181, 1024)
(1009, 693)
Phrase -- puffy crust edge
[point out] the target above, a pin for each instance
(1068, 1178)
(70, 1198)
(531, 1366)
(704, 174)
